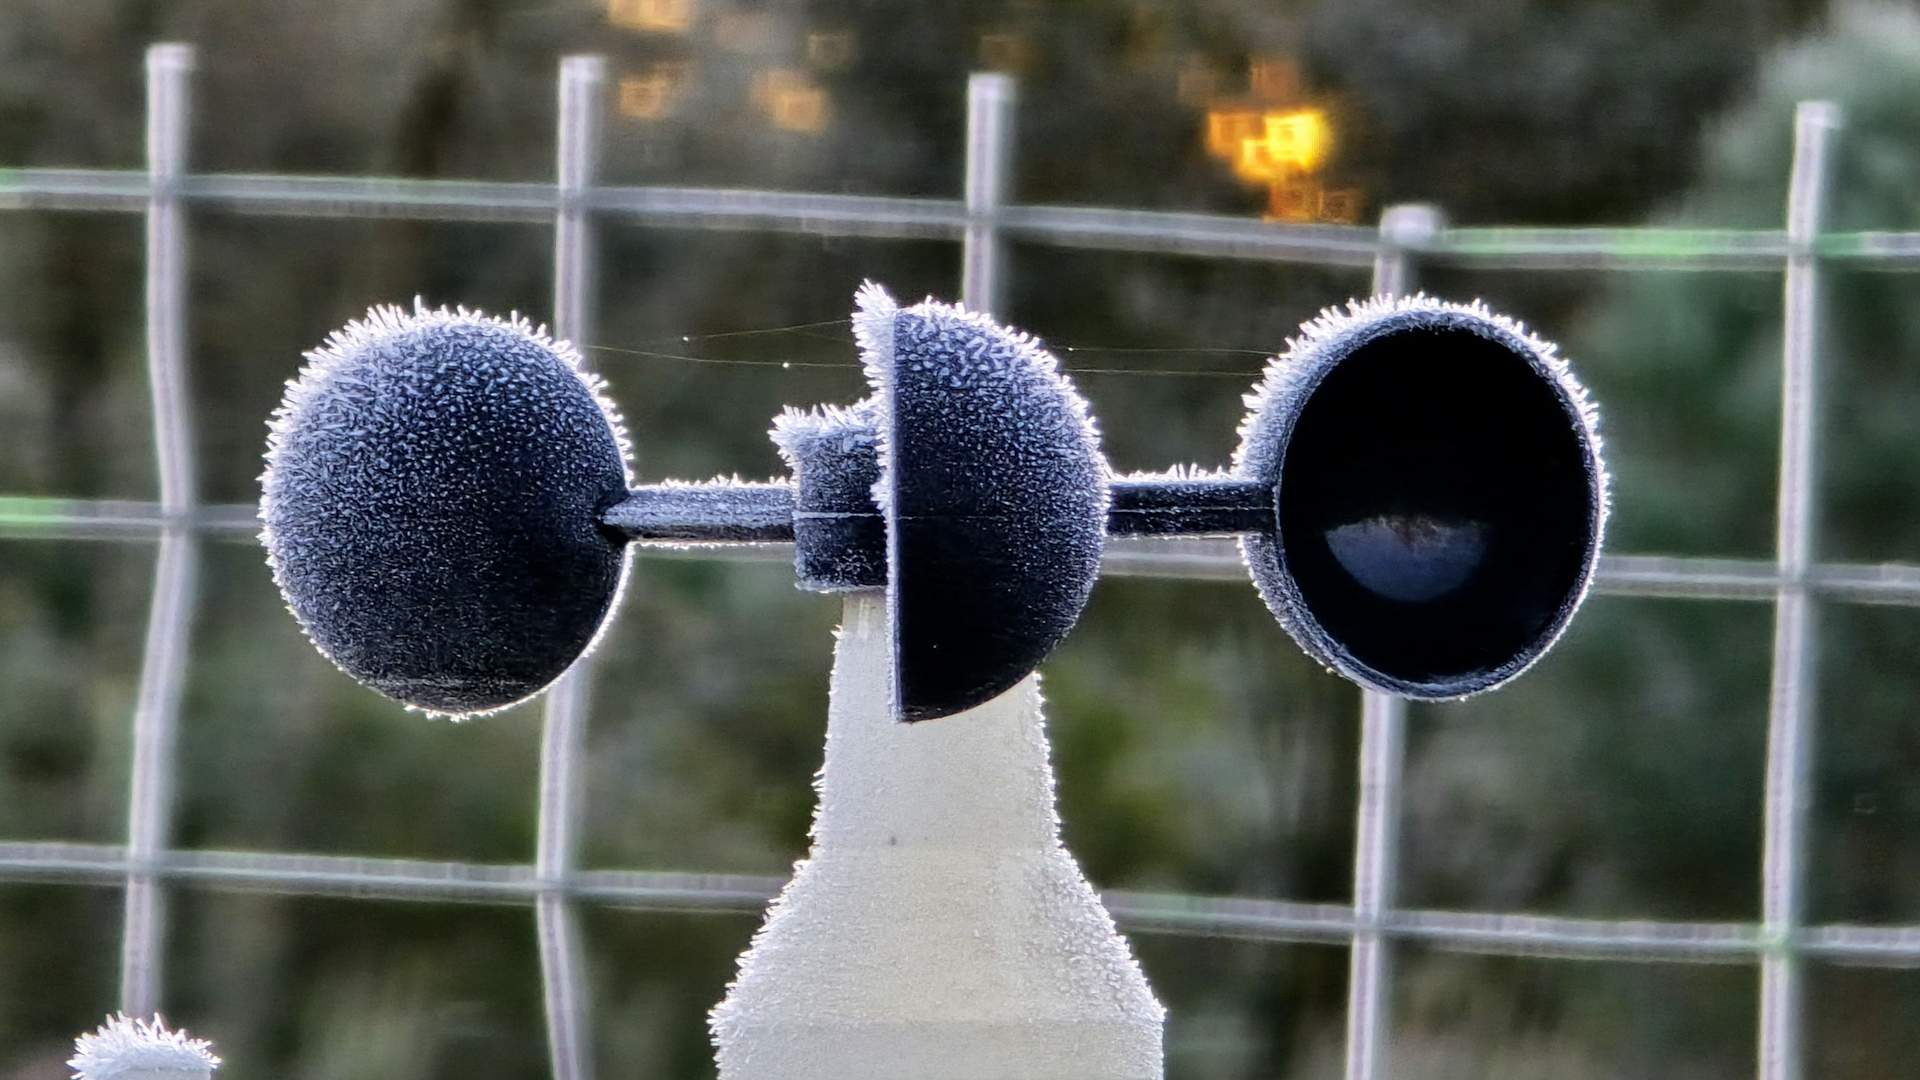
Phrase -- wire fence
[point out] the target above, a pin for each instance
(1780, 944)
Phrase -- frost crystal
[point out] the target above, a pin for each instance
(128, 1049)
(990, 466)
(1409, 560)
(1305, 361)
(430, 506)
(840, 542)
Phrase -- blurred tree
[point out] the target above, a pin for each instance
(1698, 356)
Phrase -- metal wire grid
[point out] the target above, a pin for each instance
(981, 221)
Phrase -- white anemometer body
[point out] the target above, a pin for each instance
(1445, 505)
(938, 929)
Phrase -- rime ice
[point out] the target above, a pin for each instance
(1440, 497)
(401, 433)
(127, 1049)
(840, 543)
(991, 469)
(938, 930)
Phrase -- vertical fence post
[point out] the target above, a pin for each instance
(1789, 722)
(1404, 229)
(1383, 721)
(582, 94)
(163, 659)
(990, 105)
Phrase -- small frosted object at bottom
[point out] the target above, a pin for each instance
(938, 930)
(128, 1049)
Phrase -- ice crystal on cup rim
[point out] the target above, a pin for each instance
(125, 1047)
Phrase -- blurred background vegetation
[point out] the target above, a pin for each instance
(1198, 751)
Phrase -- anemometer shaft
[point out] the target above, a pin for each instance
(735, 513)
(713, 513)
(1198, 506)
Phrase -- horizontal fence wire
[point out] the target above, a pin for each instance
(1671, 576)
(1169, 914)
(1144, 231)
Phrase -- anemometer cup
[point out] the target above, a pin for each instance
(1439, 496)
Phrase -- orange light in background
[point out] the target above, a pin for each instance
(1295, 201)
(1271, 135)
(791, 100)
(1283, 149)
(1227, 129)
(1306, 200)
(830, 51)
(1340, 205)
(772, 82)
(804, 111)
(656, 16)
(1266, 146)
(652, 94)
(1289, 144)
(643, 97)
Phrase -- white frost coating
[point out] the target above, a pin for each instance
(976, 421)
(793, 427)
(1175, 472)
(1292, 374)
(383, 321)
(128, 1049)
(873, 327)
(330, 372)
(873, 312)
(1302, 361)
(727, 499)
(938, 930)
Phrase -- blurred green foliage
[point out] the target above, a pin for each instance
(1197, 750)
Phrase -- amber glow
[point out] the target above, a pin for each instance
(791, 100)
(1284, 149)
(1277, 146)
(1293, 202)
(1227, 129)
(1341, 205)
(1303, 200)
(653, 93)
(656, 16)
(1274, 134)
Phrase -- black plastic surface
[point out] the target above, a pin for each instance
(430, 502)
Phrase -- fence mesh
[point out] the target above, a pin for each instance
(1779, 945)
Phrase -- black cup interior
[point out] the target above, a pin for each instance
(1436, 504)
